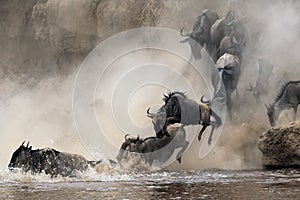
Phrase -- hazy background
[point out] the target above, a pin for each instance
(43, 43)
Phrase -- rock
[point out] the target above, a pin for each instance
(69, 25)
(281, 146)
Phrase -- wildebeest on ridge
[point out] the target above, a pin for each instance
(288, 97)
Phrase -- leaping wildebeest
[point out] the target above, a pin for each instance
(201, 32)
(228, 73)
(178, 108)
(153, 148)
(288, 97)
(49, 161)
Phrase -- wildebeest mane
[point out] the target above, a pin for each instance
(282, 89)
(168, 96)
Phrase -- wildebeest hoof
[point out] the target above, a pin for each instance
(167, 134)
(199, 137)
(209, 141)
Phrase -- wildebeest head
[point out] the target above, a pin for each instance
(272, 114)
(195, 40)
(126, 146)
(159, 121)
(21, 157)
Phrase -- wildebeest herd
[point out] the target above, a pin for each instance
(224, 40)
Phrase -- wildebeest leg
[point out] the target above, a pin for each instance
(170, 120)
(210, 135)
(229, 104)
(201, 132)
(218, 121)
(148, 158)
(257, 98)
(237, 93)
(179, 154)
(288, 117)
(295, 112)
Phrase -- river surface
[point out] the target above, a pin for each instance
(205, 184)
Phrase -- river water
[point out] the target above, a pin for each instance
(185, 184)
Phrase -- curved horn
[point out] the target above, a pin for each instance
(27, 144)
(184, 34)
(126, 136)
(22, 143)
(202, 100)
(151, 115)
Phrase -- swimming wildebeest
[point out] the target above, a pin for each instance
(228, 74)
(288, 97)
(49, 161)
(201, 32)
(180, 109)
(153, 148)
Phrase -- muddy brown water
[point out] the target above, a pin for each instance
(184, 184)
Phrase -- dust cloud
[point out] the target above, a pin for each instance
(37, 82)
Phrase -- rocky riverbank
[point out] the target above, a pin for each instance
(281, 146)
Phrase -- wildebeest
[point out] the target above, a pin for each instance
(180, 109)
(228, 45)
(49, 161)
(288, 97)
(201, 32)
(221, 28)
(262, 84)
(228, 74)
(229, 26)
(153, 148)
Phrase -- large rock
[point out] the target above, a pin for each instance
(281, 146)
